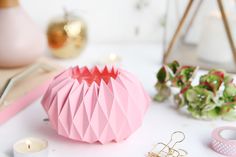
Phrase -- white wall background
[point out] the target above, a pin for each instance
(108, 20)
(111, 20)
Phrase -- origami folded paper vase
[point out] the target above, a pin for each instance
(97, 105)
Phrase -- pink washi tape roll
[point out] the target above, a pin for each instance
(224, 141)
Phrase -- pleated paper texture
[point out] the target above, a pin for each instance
(97, 105)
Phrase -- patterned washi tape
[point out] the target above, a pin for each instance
(222, 145)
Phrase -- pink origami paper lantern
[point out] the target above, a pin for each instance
(95, 105)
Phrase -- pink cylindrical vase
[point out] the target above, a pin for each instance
(96, 105)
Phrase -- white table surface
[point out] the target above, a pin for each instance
(160, 121)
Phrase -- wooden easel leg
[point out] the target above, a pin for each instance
(177, 32)
(227, 28)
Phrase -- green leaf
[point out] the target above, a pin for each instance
(191, 95)
(174, 66)
(179, 100)
(230, 90)
(228, 111)
(212, 81)
(228, 79)
(159, 98)
(164, 92)
(162, 75)
(187, 72)
(199, 96)
(209, 107)
(195, 112)
(183, 76)
(212, 114)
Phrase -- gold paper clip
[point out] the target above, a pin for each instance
(10, 83)
(169, 150)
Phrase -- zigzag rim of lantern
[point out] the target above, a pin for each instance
(97, 105)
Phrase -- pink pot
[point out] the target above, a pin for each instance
(21, 41)
(95, 105)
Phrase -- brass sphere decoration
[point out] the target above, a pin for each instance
(67, 36)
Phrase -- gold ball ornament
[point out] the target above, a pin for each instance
(67, 36)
